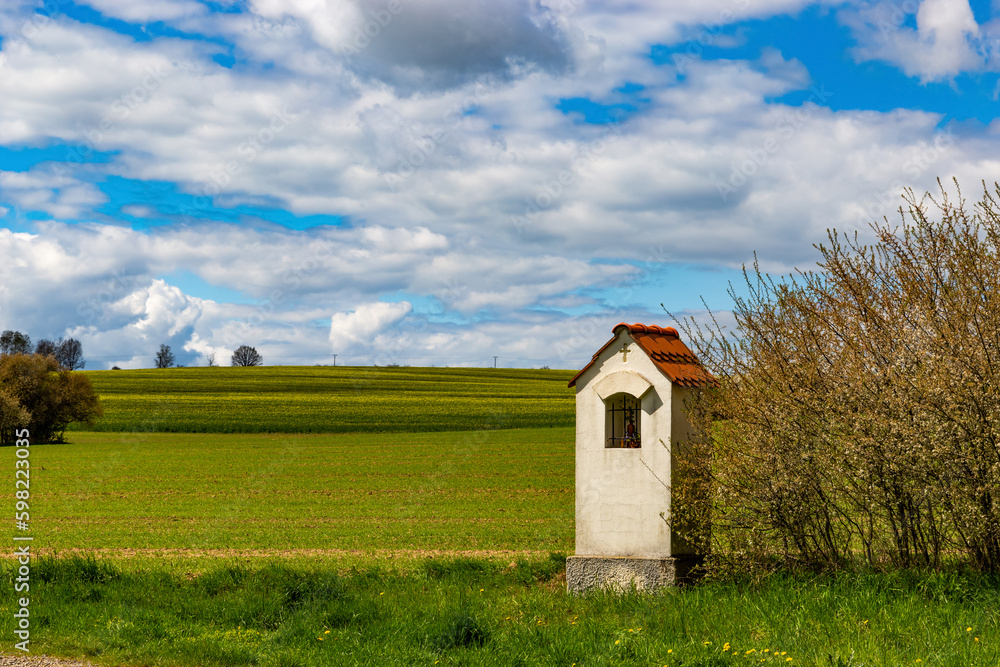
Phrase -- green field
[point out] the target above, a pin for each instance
(344, 399)
(477, 490)
(409, 541)
(461, 611)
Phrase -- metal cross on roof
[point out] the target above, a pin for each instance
(624, 351)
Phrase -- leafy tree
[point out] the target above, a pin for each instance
(13, 416)
(46, 348)
(70, 354)
(164, 358)
(14, 342)
(861, 401)
(246, 356)
(35, 392)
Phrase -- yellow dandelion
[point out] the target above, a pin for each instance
(789, 660)
(918, 660)
(705, 643)
(968, 629)
(327, 632)
(617, 642)
(669, 650)
(481, 590)
(977, 639)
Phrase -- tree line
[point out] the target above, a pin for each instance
(68, 353)
(244, 355)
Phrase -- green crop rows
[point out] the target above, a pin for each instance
(286, 399)
(475, 490)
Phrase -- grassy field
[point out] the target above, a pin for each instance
(405, 546)
(474, 612)
(477, 490)
(345, 399)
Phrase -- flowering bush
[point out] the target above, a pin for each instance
(858, 406)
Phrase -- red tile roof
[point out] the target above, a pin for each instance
(664, 347)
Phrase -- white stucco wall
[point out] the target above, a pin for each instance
(621, 493)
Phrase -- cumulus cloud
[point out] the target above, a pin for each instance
(432, 44)
(364, 324)
(946, 42)
(459, 182)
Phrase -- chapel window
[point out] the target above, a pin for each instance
(623, 422)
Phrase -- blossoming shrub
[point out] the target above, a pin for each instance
(858, 407)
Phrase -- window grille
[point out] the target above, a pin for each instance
(623, 422)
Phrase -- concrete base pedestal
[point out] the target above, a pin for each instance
(621, 574)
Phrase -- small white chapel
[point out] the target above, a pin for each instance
(630, 414)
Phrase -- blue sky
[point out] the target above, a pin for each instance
(440, 181)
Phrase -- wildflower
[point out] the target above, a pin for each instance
(617, 642)
(327, 632)
(968, 629)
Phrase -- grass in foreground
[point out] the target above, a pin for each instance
(344, 399)
(473, 612)
(479, 490)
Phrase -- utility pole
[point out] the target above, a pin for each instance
(494, 361)
(335, 360)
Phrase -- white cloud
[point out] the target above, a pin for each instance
(148, 10)
(946, 42)
(47, 190)
(364, 325)
(432, 44)
(461, 183)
